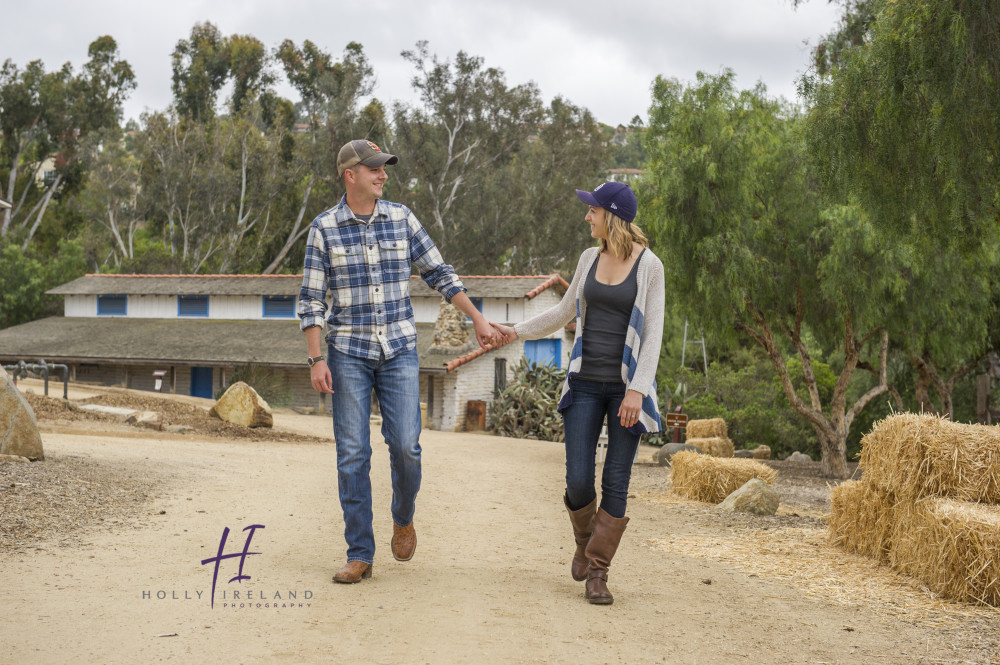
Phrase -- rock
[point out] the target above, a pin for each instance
(668, 450)
(111, 410)
(147, 419)
(177, 429)
(241, 405)
(755, 497)
(13, 458)
(798, 457)
(744, 454)
(762, 452)
(451, 329)
(18, 428)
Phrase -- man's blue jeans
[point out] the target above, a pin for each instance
(397, 386)
(582, 421)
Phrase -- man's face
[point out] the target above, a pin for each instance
(368, 180)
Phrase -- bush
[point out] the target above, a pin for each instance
(268, 383)
(746, 393)
(528, 407)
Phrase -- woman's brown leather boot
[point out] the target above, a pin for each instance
(583, 526)
(600, 550)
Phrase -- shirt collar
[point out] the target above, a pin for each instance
(342, 212)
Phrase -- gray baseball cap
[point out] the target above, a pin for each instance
(364, 152)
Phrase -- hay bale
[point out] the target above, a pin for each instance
(713, 445)
(915, 456)
(704, 429)
(953, 547)
(712, 479)
(863, 519)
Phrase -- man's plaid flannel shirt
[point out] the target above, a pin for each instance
(366, 270)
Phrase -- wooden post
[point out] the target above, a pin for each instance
(983, 399)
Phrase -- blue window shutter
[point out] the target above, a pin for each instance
(192, 305)
(544, 351)
(279, 307)
(112, 305)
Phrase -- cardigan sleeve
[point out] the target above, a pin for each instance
(652, 331)
(559, 314)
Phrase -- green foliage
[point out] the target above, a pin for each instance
(528, 407)
(23, 280)
(270, 384)
(490, 170)
(907, 122)
(745, 392)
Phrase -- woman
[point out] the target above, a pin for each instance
(616, 298)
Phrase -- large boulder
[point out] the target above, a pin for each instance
(798, 457)
(18, 428)
(668, 450)
(755, 497)
(762, 452)
(241, 405)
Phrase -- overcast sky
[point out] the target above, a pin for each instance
(600, 55)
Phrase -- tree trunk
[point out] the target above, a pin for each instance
(833, 463)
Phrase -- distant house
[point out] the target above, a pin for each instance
(197, 329)
(624, 175)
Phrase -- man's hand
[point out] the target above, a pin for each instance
(628, 412)
(507, 333)
(485, 334)
(322, 380)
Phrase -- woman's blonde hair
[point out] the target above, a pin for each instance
(621, 235)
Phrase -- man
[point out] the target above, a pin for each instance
(360, 253)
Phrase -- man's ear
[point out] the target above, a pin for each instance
(349, 177)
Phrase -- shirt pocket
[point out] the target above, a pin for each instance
(394, 255)
(345, 260)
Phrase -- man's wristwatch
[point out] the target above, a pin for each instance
(313, 360)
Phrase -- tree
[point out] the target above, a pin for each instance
(200, 67)
(110, 197)
(45, 115)
(903, 122)
(491, 170)
(249, 69)
(470, 123)
(331, 92)
(907, 122)
(750, 248)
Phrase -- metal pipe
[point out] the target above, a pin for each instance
(22, 368)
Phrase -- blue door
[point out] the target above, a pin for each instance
(544, 351)
(201, 382)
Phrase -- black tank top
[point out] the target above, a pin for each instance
(609, 308)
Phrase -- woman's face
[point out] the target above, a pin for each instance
(597, 219)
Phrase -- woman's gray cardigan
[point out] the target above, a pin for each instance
(642, 342)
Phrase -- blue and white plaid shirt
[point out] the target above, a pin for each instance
(366, 270)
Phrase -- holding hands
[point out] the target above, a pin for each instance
(505, 334)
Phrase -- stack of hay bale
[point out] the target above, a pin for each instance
(710, 437)
(928, 504)
(712, 479)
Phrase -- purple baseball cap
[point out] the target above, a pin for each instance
(616, 197)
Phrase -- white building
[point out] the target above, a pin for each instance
(197, 329)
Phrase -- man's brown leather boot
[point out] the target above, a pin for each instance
(583, 525)
(404, 541)
(353, 572)
(601, 549)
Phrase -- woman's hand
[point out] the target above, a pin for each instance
(508, 333)
(628, 412)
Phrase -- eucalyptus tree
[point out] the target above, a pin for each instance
(491, 169)
(468, 125)
(43, 116)
(751, 249)
(330, 92)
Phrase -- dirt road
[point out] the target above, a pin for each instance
(489, 583)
